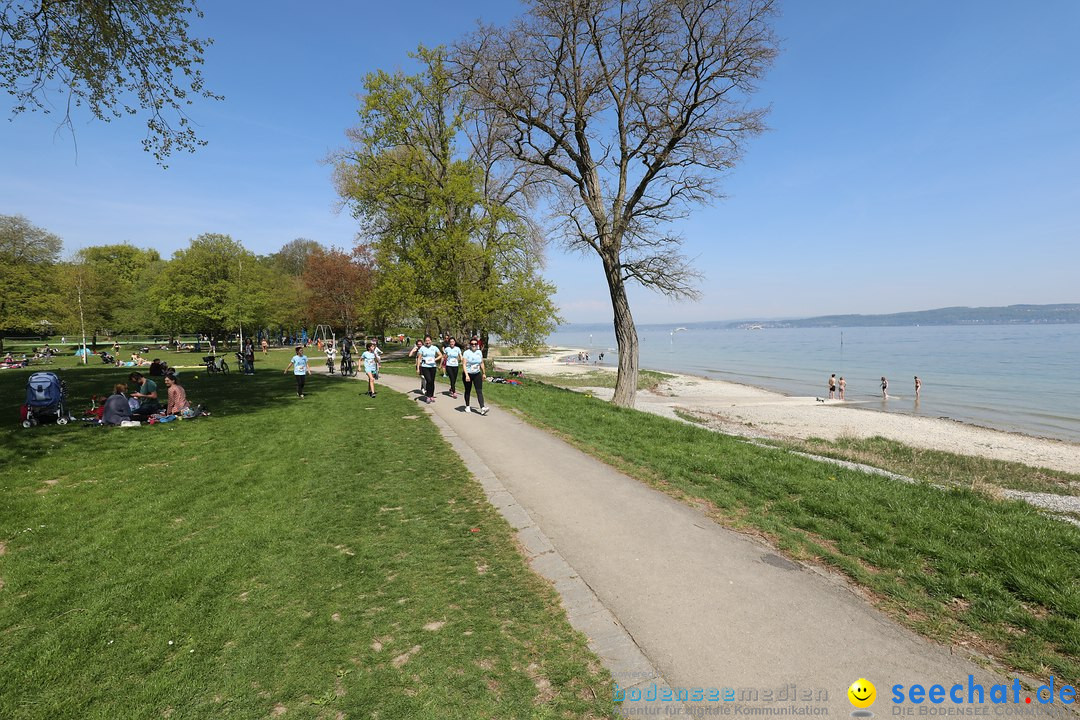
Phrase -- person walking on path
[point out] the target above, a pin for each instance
(429, 357)
(452, 362)
(918, 387)
(299, 366)
(841, 385)
(415, 352)
(884, 388)
(832, 386)
(474, 375)
(371, 367)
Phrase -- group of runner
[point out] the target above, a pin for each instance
(430, 357)
(371, 359)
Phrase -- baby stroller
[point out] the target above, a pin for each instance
(45, 399)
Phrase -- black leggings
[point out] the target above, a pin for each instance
(477, 383)
(300, 384)
(451, 371)
(429, 380)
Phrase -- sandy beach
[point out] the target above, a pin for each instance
(754, 412)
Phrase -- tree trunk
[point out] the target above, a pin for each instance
(625, 335)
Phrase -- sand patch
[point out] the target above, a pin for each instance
(434, 626)
(404, 657)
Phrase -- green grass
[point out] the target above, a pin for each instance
(647, 379)
(955, 565)
(942, 467)
(281, 554)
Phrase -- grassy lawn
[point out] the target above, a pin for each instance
(956, 565)
(325, 558)
(647, 379)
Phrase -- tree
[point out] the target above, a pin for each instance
(292, 258)
(445, 250)
(112, 280)
(114, 56)
(213, 286)
(29, 298)
(631, 109)
(337, 283)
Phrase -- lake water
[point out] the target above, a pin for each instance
(1023, 378)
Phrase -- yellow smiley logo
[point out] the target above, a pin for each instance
(862, 693)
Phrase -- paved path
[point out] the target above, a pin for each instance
(700, 605)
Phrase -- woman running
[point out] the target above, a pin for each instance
(299, 365)
(429, 357)
(452, 355)
(415, 352)
(371, 367)
(474, 375)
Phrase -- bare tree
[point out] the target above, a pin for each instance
(633, 109)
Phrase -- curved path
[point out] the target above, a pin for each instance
(669, 598)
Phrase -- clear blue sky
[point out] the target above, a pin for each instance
(921, 154)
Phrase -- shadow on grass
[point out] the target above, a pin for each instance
(223, 395)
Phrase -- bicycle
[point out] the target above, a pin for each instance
(348, 369)
(216, 364)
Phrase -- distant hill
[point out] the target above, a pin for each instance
(1010, 315)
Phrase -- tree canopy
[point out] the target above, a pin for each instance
(29, 299)
(447, 250)
(116, 57)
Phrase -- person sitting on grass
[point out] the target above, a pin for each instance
(178, 403)
(116, 407)
(147, 395)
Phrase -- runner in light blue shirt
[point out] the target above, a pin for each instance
(299, 366)
(371, 367)
(474, 375)
(429, 356)
(453, 363)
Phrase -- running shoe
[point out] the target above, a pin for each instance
(483, 411)
(468, 409)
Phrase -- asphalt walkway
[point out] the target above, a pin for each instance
(670, 599)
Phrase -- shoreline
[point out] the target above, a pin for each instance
(750, 411)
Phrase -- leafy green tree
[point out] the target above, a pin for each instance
(115, 56)
(213, 286)
(114, 287)
(445, 249)
(29, 279)
(293, 256)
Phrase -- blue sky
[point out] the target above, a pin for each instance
(920, 154)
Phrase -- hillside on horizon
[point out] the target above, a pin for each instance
(1056, 314)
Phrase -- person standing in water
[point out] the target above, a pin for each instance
(840, 386)
(474, 375)
(884, 388)
(832, 386)
(918, 386)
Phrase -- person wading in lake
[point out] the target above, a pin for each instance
(832, 386)
(918, 386)
(884, 388)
